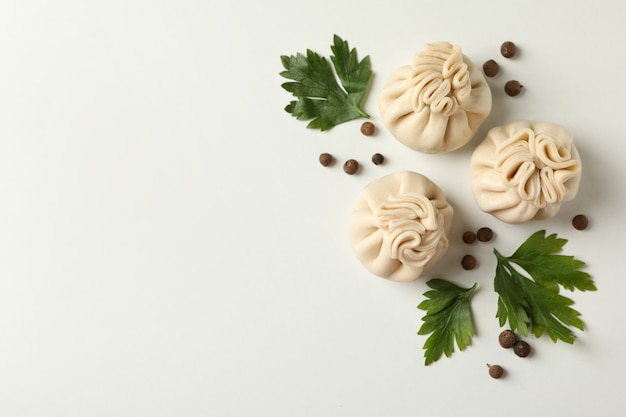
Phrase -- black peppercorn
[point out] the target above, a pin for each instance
(468, 262)
(508, 49)
(495, 371)
(484, 234)
(507, 339)
(521, 349)
(513, 88)
(368, 128)
(469, 237)
(378, 159)
(580, 222)
(491, 68)
(351, 167)
(326, 159)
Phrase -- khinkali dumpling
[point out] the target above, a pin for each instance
(399, 226)
(437, 104)
(524, 170)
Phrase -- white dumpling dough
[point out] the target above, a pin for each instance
(524, 170)
(399, 226)
(438, 103)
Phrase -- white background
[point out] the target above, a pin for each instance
(170, 246)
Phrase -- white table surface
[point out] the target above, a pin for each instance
(170, 246)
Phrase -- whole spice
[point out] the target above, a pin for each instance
(484, 234)
(521, 349)
(580, 222)
(469, 237)
(326, 159)
(513, 88)
(368, 128)
(495, 371)
(468, 262)
(378, 159)
(351, 167)
(508, 49)
(507, 339)
(491, 68)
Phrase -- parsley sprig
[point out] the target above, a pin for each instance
(533, 302)
(448, 317)
(320, 98)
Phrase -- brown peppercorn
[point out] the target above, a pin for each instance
(513, 88)
(491, 68)
(521, 349)
(368, 128)
(495, 371)
(507, 339)
(326, 159)
(351, 167)
(580, 222)
(484, 234)
(469, 237)
(378, 159)
(508, 49)
(468, 262)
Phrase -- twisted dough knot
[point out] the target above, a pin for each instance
(412, 227)
(442, 79)
(537, 166)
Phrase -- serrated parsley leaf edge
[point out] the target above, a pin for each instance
(448, 319)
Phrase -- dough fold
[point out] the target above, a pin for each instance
(525, 170)
(438, 103)
(399, 226)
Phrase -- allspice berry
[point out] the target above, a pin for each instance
(521, 349)
(378, 159)
(491, 68)
(468, 262)
(469, 237)
(368, 128)
(508, 49)
(326, 159)
(495, 371)
(484, 234)
(351, 167)
(507, 339)
(580, 222)
(513, 88)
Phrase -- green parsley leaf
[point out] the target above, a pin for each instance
(536, 256)
(534, 303)
(448, 317)
(320, 98)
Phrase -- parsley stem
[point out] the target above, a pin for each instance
(362, 113)
(505, 262)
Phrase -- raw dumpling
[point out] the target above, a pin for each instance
(437, 104)
(399, 226)
(525, 170)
